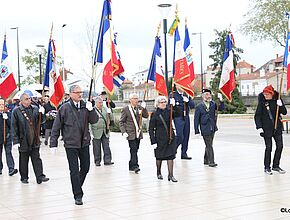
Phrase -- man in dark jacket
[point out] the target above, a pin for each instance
(182, 123)
(25, 136)
(265, 119)
(6, 143)
(205, 118)
(73, 120)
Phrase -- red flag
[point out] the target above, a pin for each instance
(7, 81)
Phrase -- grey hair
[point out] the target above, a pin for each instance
(22, 96)
(98, 99)
(132, 95)
(159, 99)
(73, 88)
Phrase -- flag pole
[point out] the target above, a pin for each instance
(279, 97)
(4, 123)
(172, 89)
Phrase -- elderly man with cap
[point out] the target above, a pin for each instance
(205, 119)
(265, 119)
(182, 123)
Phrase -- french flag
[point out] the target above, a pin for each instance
(182, 76)
(118, 73)
(52, 78)
(7, 81)
(188, 53)
(156, 72)
(286, 60)
(105, 50)
(227, 80)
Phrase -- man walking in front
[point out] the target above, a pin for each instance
(73, 120)
(131, 128)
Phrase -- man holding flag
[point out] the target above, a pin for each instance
(183, 95)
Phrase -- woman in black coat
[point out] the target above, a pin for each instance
(265, 118)
(159, 127)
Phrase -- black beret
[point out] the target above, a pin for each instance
(103, 93)
(206, 90)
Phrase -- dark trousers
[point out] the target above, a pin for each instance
(279, 147)
(182, 126)
(9, 158)
(36, 163)
(79, 165)
(104, 142)
(209, 154)
(134, 147)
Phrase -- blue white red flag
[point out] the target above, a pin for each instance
(52, 78)
(7, 81)
(227, 81)
(182, 77)
(105, 51)
(156, 72)
(286, 60)
(188, 53)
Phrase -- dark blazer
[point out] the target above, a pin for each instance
(262, 116)
(205, 119)
(127, 123)
(179, 103)
(8, 126)
(74, 125)
(20, 127)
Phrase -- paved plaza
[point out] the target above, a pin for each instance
(236, 189)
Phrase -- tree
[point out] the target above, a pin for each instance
(31, 61)
(236, 106)
(266, 20)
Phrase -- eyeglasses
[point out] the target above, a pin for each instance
(78, 92)
(162, 102)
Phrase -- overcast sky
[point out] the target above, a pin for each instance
(135, 21)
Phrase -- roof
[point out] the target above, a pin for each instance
(244, 64)
(254, 76)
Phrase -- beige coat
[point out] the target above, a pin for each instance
(127, 123)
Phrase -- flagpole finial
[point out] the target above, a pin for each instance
(176, 11)
(186, 21)
(158, 29)
(51, 30)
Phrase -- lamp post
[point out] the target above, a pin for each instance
(40, 61)
(63, 73)
(201, 68)
(18, 61)
(165, 8)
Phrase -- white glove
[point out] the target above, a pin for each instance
(109, 111)
(41, 110)
(16, 146)
(125, 135)
(260, 130)
(89, 106)
(220, 96)
(279, 102)
(143, 104)
(172, 101)
(185, 99)
(53, 150)
(5, 116)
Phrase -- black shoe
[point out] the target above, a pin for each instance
(279, 170)
(98, 164)
(12, 172)
(42, 179)
(0, 172)
(25, 181)
(78, 201)
(185, 157)
(212, 165)
(108, 164)
(268, 171)
(172, 178)
(137, 170)
(159, 176)
(206, 163)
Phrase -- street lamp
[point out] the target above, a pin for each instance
(201, 69)
(16, 28)
(40, 59)
(165, 8)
